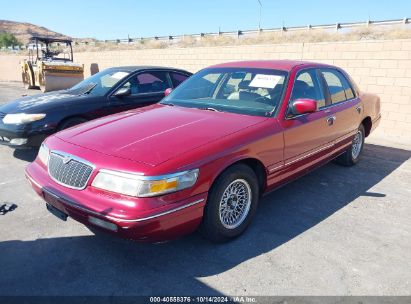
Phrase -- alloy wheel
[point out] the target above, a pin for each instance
(357, 145)
(235, 204)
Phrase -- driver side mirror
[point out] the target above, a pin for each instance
(122, 92)
(168, 91)
(302, 106)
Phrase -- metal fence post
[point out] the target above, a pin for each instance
(337, 27)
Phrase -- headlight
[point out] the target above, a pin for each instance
(22, 118)
(144, 186)
(44, 154)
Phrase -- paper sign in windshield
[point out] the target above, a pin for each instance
(119, 75)
(265, 81)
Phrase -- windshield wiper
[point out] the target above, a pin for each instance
(81, 90)
(167, 103)
(209, 109)
(92, 86)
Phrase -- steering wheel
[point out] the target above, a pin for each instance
(263, 98)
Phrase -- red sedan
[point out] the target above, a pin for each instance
(203, 157)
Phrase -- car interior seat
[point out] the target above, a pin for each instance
(243, 92)
(303, 90)
(158, 86)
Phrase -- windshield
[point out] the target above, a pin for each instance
(238, 90)
(99, 84)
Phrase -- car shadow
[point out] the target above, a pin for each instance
(28, 155)
(104, 265)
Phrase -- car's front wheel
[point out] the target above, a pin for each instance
(26, 81)
(231, 204)
(353, 153)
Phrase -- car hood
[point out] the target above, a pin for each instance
(40, 102)
(155, 134)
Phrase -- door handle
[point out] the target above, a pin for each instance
(359, 108)
(330, 120)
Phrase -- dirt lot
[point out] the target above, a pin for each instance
(337, 231)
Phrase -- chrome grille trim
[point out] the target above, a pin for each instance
(74, 174)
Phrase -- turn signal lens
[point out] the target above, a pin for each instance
(163, 185)
(44, 154)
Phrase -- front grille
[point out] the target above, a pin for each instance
(2, 115)
(69, 170)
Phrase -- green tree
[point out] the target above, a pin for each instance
(7, 39)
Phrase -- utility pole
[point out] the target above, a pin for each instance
(259, 20)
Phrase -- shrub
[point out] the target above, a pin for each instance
(7, 39)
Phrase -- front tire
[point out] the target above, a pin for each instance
(42, 83)
(26, 81)
(231, 204)
(352, 155)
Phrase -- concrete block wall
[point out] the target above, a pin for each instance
(382, 67)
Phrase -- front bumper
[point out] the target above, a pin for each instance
(164, 223)
(18, 136)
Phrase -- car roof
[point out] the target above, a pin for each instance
(145, 67)
(285, 65)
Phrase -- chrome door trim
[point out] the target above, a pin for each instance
(310, 154)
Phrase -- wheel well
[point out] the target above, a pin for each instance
(68, 118)
(367, 125)
(258, 168)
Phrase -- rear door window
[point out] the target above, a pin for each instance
(349, 93)
(338, 86)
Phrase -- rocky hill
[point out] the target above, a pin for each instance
(23, 31)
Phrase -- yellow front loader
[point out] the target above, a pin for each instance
(50, 65)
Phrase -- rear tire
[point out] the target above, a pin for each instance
(26, 81)
(231, 204)
(42, 84)
(352, 155)
(71, 122)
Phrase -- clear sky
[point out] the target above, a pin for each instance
(109, 19)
